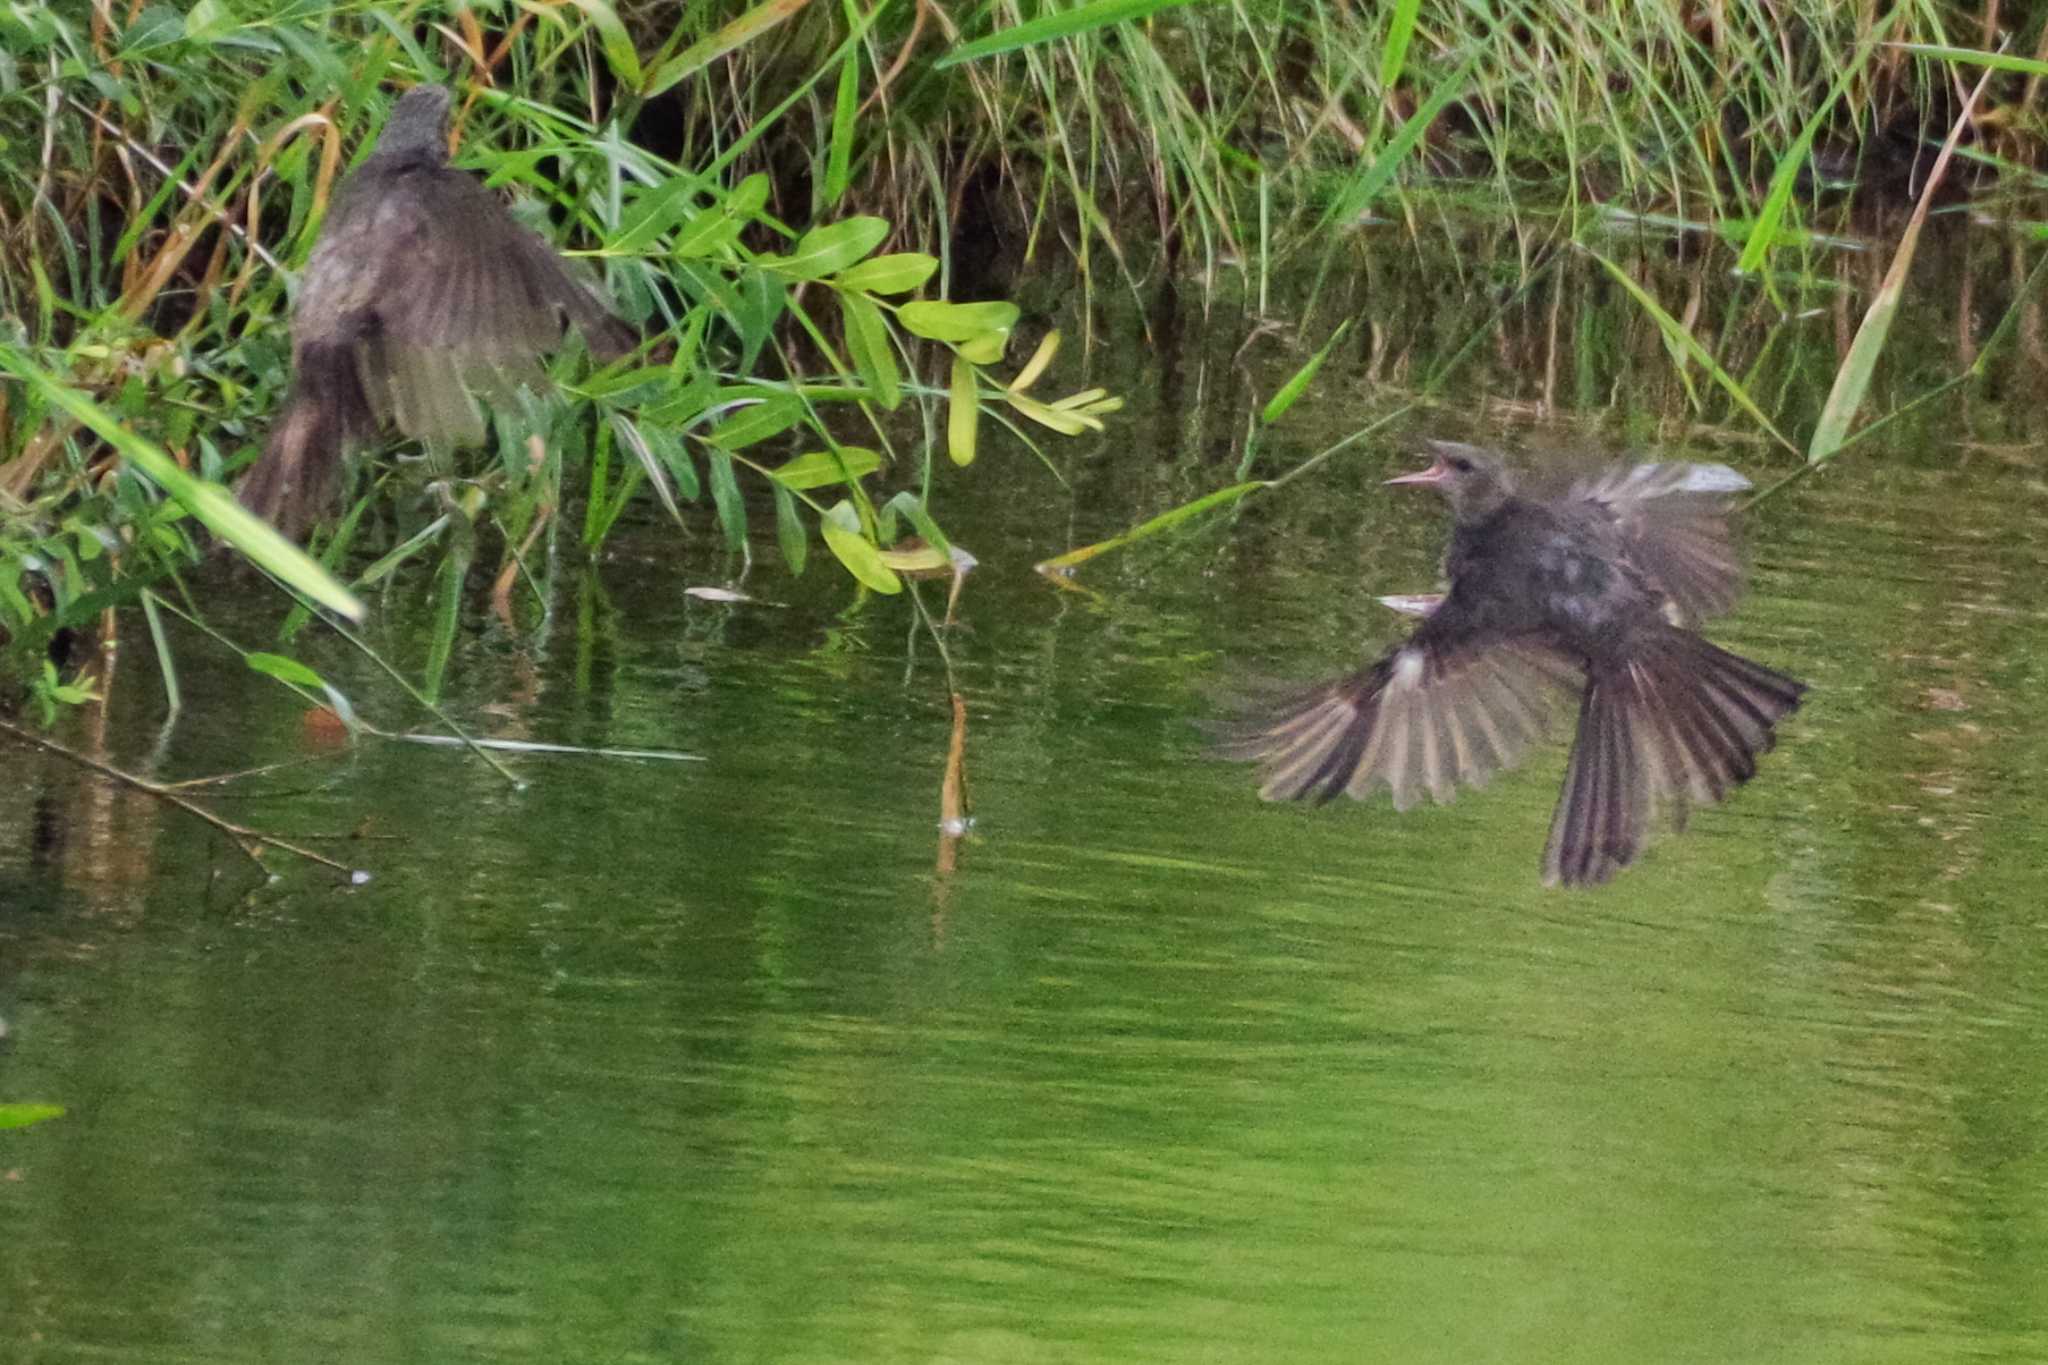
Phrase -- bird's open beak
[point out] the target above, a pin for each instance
(1435, 474)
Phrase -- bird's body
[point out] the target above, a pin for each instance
(1590, 592)
(422, 293)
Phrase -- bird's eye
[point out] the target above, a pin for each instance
(1461, 464)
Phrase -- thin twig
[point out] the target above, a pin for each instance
(242, 835)
(190, 191)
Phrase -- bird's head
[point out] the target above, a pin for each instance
(418, 127)
(1474, 481)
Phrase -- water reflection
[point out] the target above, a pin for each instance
(739, 1060)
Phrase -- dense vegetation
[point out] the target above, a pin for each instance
(815, 213)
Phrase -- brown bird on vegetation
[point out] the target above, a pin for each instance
(1591, 591)
(422, 293)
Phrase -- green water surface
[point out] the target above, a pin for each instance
(736, 1060)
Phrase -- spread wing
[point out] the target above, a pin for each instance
(1676, 529)
(446, 296)
(1447, 708)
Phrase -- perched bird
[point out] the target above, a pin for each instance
(422, 293)
(1592, 591)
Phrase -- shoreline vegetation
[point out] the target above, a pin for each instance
(818, 216)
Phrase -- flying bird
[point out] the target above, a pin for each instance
(422, 294)
(1595, 592)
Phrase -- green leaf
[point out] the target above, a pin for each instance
(1163, 522)
(985, 349)
(449, 580)
(656, 210)
(1784, 179)
(829, 249)
(611, 35)
(867, 339)
(757, 422)
(213, 505)
(1063, 24)
(1394, 50)
(1358, 196)
(1293, 388)
(957, 322)
(659, 453)
(963, 414)
(704, 51)
(22, 1115)
(845, 109)
(899, 272)
(1041, 360)
(912, 507)
(844, 538)
(707, 232)
(750, 196)
(1997, 61)
(763, 299)
(819, 468)
(285, 670)
(789, 531)
(1852, 379)
(725, 493)
(209, 21)
(156, 26)
(1065, 422)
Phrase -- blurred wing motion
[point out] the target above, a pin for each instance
(446, 296)
(423, 294)
(1435, 714)
(1676, 529)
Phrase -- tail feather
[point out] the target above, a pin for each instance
(1681, 720)
(295, 481)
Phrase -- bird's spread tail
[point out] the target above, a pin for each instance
(295, 481)
(1678, 720)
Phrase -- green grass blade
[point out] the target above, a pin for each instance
(845, 108)
(1165, 521)
(1052, 27)
(1358, 196)
(789, 531)
(1852, 380)
(1678, 337)
(710, 48)
(1303, 377)
(447, 618)
(1394, 51)
(22, 1115)
(1996, 61)
(613, 38)
(963, 414)
(213, 505)
(1764, 232)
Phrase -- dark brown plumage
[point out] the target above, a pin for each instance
(1591, 592)
(422, 294)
